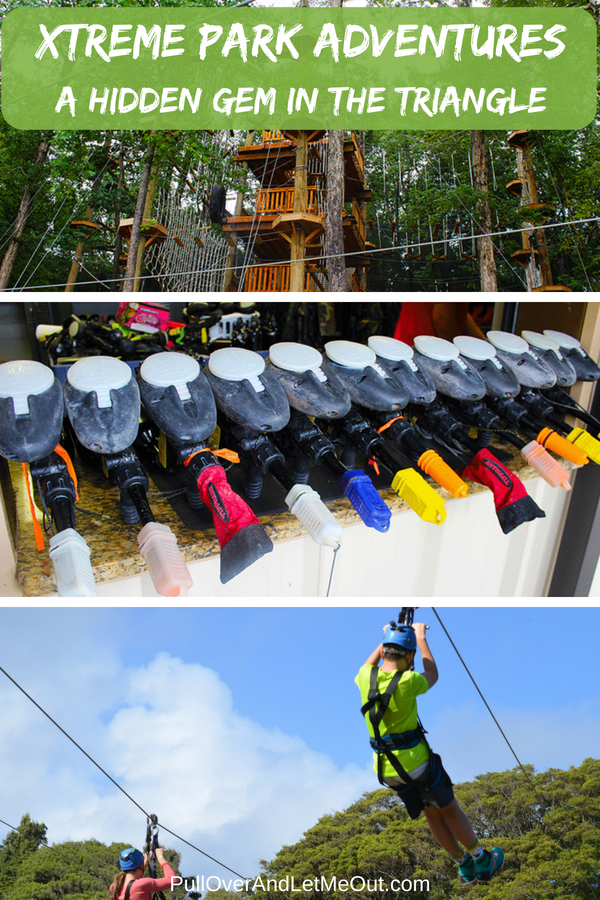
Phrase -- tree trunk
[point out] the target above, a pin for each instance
(114, 286)
(334, 229)
(148, 204)
(297, 247)
(89, 217)
(485, 247)
(21, 219)
(136, 226)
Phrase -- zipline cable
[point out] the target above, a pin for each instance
(116, 784)
(330, 256)
(522, 767)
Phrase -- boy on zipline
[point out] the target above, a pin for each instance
(403, 758)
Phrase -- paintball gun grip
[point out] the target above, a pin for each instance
(560, 445)
(546, 466)
(587, 442)
(361, 492)
(433, 465)
(70, 557)
(420, 496)
(309, 509)
(167, 568)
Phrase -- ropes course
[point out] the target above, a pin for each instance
(193, 257)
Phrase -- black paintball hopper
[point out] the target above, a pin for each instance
(178, 397)
(102, 400)
(367, 383)
(298, 369)
(517, 355)
(31, 411)
(452, 376)
(549, 351)
(246, 391)
(570, 347)
(500, 381)
(397, 359)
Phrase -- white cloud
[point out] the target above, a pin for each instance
(236, 789)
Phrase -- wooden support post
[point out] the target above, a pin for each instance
(297, 265)
(78, 258)
(540, 234)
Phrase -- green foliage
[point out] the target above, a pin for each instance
(421, 183)
(547, 823)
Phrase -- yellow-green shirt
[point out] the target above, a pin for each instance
(401, 715)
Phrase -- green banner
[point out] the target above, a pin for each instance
(298, 68)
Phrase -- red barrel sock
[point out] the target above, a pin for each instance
(513, 504)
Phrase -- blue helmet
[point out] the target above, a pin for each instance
(402, 636)
(131, 859)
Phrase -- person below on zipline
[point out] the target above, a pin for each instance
(130, 883)
(403, 759)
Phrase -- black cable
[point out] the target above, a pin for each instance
(64, 856)
(48, 716)
(522, 767)
(110, 778)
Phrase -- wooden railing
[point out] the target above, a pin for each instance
(277, 201)
(269, 137)
(268, 279)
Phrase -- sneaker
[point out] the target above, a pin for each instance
(490, 862)
(467, 871)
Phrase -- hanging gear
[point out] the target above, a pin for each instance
(406, 616)
(151, 848)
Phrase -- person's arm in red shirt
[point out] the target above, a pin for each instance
(452, 319)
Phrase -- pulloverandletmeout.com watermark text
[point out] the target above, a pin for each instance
(320, 884)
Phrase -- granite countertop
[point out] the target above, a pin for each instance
(114, 546)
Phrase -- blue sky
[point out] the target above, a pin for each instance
(241, 727)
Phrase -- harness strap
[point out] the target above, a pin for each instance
(128, 889)
(383, 745)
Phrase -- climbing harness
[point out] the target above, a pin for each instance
(384, 746)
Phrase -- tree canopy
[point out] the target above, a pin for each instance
(547, 823)
(80, 870)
